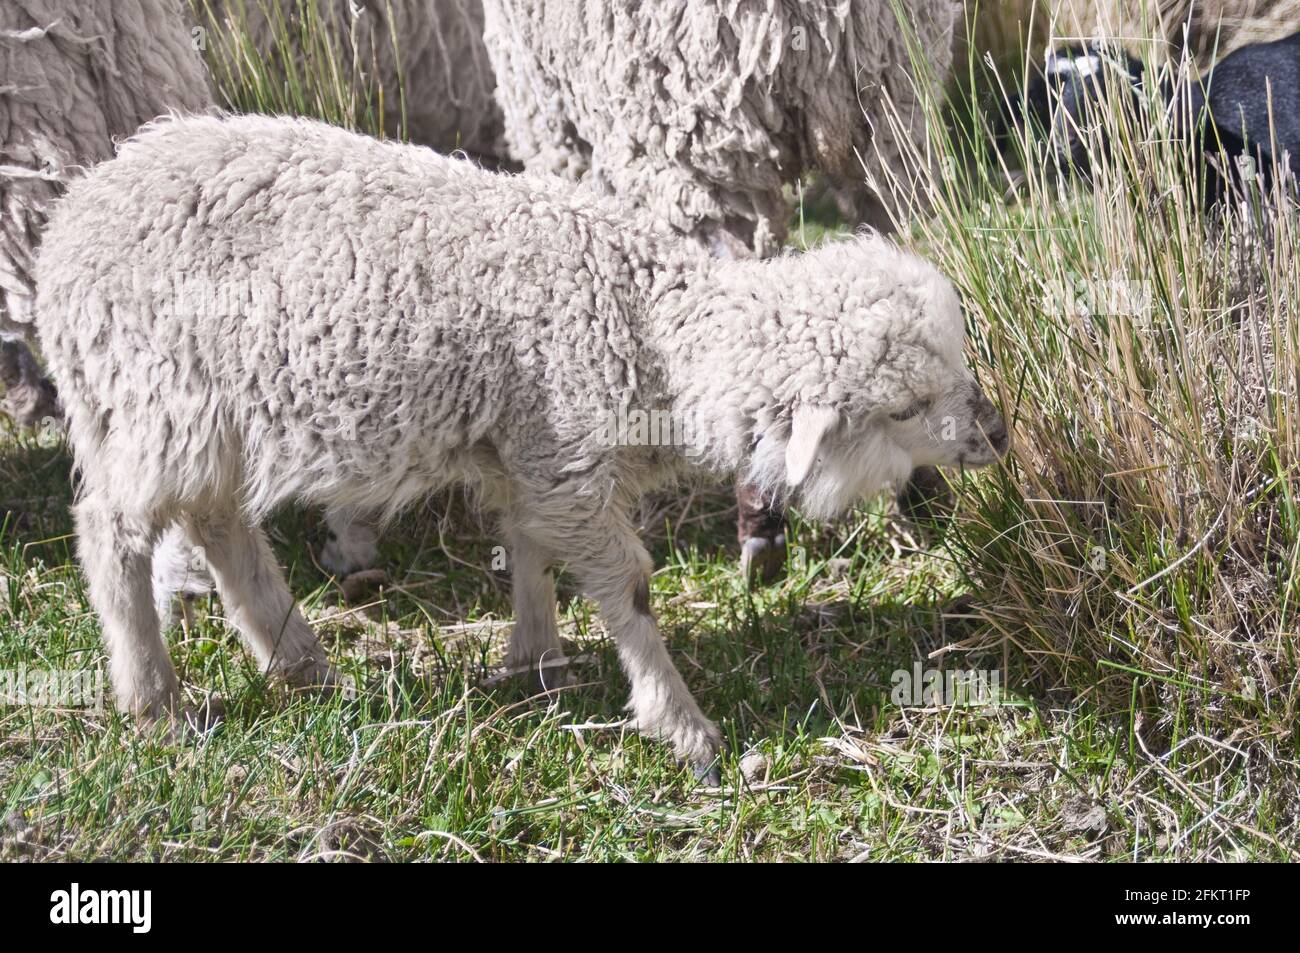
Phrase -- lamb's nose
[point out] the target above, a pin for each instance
(996, 432)
(990, 422)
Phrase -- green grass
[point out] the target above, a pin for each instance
(301, 58)
(1148, 704)
(431, 759)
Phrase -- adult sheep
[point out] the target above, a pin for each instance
(73, 76)
(703, 112)
(427, 56)
(409, 321)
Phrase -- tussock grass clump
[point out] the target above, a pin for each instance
(289, 58)
(1139, 546)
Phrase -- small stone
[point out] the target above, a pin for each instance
(1081, 815)
(753, 766)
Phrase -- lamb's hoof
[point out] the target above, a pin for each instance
(708, 774)
(357, 585)
(311, 673)
(762, 560)
(190, 723)
(695, 740)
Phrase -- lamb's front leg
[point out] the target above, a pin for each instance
(616, 574)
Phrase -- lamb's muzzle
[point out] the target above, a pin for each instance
(391, 321)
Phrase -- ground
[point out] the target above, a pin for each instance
(435, 755)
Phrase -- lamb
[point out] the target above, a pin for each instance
(439, 62)
(368, 321)
(704, 111)
(73, 75)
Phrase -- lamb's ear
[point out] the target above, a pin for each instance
(810, 425)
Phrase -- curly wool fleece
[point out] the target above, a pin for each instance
(703, 111)
(73, 75)
(243, 312)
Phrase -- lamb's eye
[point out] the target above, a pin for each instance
(911, 410)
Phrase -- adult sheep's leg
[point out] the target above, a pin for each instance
(351, 544)
(258, 600)
(178, 570)
(615, 572)
(535, 639)
(29, 397)
(760, 530)
(116, 552)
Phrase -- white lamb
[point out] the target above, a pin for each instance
(362, 322)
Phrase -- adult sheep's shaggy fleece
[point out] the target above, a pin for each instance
(244, 312)
(73, 75)
(703, 111)
(438, 61)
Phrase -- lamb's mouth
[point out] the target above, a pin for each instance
(964, 462)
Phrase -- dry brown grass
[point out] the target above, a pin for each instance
(1141, 545)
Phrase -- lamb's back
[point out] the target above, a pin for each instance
(331, 297)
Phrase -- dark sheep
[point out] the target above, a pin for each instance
(1246, 107)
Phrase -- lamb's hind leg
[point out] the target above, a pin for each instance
(615, 572)
(535, 640)
(116, 552)
(178, 571)
(258, 601)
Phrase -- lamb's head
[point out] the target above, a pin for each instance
(879, 387)
(957, 427)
